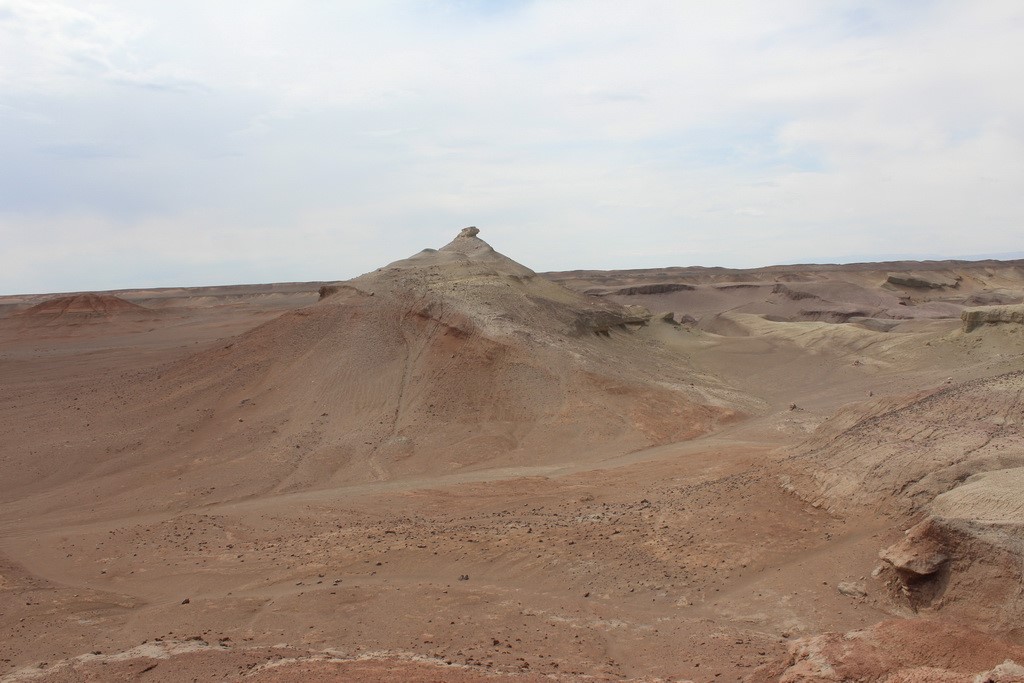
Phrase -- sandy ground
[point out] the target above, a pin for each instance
(150, 537)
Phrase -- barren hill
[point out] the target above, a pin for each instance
(454, 359)
(85, 305)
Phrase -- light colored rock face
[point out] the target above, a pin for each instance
(987, 498)
(973, 318)
(901, 453)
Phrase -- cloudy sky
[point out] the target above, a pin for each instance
(147, 143)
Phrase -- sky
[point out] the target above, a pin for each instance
(147, 143)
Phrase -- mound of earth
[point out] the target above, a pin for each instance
(454, 359)
(82, 305)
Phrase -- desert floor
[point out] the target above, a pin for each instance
(159, 542)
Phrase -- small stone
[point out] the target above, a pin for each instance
(852, 590)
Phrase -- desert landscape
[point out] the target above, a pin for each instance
(454, 468)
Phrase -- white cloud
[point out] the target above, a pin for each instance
(575, 133)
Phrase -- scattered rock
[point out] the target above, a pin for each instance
(851, 589)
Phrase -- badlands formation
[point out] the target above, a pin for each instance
(456, 469)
